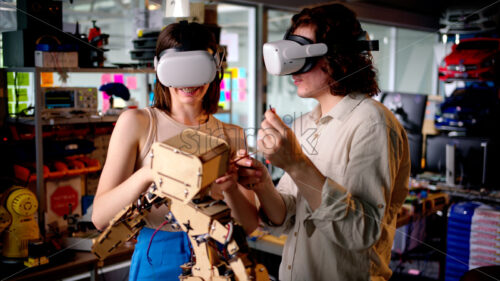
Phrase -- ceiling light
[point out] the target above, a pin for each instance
(153, 7)
(177, 8)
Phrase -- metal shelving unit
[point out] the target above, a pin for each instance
(65, 121)
(38, 122)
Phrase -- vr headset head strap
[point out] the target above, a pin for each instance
(299, 39)
(359, 45)
(184, 32)
(310, 61)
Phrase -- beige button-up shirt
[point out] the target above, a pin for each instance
(363, 151)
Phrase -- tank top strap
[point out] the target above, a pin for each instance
(154, 122)
(152, 133)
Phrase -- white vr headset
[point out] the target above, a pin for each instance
(292, 55)
(297, 54)
(181, 69)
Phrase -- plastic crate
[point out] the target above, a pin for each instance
(145, 43)
(458, 239)
(143, 54)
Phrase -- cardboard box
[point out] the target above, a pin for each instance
(56, 59)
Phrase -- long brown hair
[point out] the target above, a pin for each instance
(349, 70)
(194, 36)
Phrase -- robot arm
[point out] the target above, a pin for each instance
(124, 226)
(185, 166)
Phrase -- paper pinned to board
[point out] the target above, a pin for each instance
(118, 78)
(131, 82)
(47, 79)
(106, 78)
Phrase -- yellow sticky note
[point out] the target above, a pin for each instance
(233, 72)
(47, 79)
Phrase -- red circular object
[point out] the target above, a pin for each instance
(62, 198)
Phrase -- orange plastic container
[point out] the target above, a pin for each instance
(60, 170)
(91, 165)
(75, 167)
(28, 174)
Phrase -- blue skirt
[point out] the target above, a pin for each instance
(169, 250)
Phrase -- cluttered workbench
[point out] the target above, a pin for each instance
(74, 263)
(419, 204)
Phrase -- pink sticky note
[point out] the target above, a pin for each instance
(131, 82)
(242, 95)
(222, 85)
(118, 78)
(242, 83)
(228, 95)
(106, 78)
(106, 104)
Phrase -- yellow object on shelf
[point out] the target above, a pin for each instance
(22, 205)
(32, 262)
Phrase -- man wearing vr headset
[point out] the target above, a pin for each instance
(347, 161)
(186, 95)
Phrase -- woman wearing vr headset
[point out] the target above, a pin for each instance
(186, 96)
(347, 161)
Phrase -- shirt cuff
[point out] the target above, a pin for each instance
(334, 199)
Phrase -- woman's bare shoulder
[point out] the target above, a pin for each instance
(131, 117)
(133, 120)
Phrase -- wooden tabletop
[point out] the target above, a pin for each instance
(79, 263)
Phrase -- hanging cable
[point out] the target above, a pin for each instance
(151, 240)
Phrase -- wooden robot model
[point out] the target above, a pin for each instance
(185, 166)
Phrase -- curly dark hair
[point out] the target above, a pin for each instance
(349, 70)
(196, 37)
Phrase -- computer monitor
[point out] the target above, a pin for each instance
(475, 163)
(415, 141)
(408, 108)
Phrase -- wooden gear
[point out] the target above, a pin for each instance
(185, 166)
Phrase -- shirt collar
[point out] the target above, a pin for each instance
(340, 110)
(315, 114)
